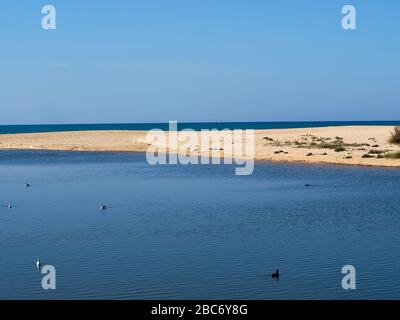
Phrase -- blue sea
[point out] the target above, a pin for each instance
(9, 129)
(195, 231)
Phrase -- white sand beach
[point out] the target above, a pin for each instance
(350, 145)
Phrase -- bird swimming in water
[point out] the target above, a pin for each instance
(307, 185)
(27, 185)
(9, 206)
(38, 264)
(275, 274)
(103, 207)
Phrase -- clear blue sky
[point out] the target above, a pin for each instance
(154, 61)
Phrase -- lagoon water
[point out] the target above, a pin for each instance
(195, 232)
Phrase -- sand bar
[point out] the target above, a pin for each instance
(351, 145)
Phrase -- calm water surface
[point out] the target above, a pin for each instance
(195, 232)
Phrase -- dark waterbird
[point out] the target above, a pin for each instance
(275, 275)
(104, 206)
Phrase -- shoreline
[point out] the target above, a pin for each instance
(344, 145)
(273, 161)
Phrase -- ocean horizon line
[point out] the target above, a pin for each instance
(232, 125)
(196, 122)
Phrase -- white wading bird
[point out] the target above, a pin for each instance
(38, 264)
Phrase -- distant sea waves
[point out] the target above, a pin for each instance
(10, 129)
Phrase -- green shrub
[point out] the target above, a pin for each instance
(393, 155)
(367, 156)
(375, 151)
(395, 136)
(340, 149)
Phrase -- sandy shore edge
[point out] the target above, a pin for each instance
(347, 145)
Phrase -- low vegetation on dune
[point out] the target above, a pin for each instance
(395, 136)
(337, 144)
(367, 155)
(376, 151)
(393, 155)
(309, 141)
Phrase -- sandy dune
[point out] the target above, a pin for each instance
(355, 145)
